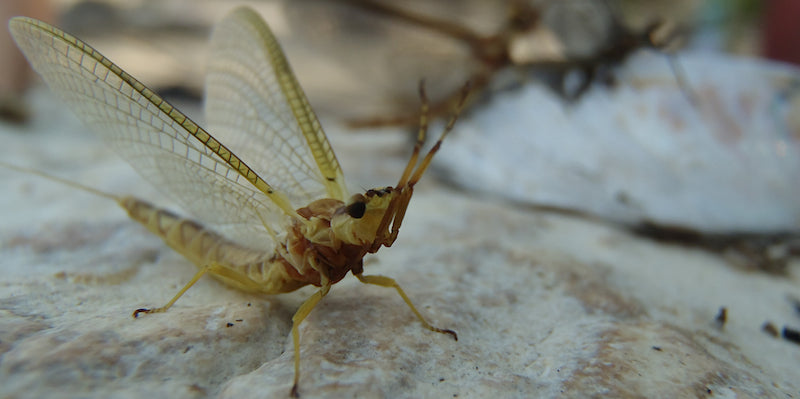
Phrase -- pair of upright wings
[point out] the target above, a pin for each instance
(254, 105)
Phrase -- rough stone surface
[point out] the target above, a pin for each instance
(545, 305)
(639, 151)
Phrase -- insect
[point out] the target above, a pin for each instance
(302, 228)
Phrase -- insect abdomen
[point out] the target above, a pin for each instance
(250, 270)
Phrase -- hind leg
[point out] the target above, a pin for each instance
(225, 272)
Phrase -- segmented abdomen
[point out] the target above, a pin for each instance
(248, 269)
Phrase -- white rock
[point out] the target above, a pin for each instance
(545, 305)
(640, 151)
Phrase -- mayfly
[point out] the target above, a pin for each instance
(302, 228)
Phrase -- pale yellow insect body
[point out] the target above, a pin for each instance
(300, 229)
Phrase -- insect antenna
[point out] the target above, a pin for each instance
(60, 180)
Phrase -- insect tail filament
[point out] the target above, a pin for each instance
(61, 180)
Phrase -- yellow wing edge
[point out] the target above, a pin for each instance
(304, 115)
(15, 25)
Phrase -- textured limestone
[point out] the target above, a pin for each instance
(545, 305)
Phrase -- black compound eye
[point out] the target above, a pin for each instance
(356, 210)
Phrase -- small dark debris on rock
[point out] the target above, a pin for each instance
(722, 317)
(791, 335)
(770, 329)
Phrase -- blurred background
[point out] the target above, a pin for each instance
(373, 52)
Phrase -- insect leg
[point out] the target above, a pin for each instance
(421, 134)
(450, 123)
(401, 205)
(391, 283)
(298, 318)
(217, 269)
(180, 293)
(398, 207)
(383, 227)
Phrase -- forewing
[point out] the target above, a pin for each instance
(255, 105)
(162, 144)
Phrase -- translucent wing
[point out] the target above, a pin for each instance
(255, 105)
(162, 144)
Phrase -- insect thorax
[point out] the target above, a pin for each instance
(337, 235)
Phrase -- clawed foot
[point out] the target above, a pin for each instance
(143, 310)
(445, 331)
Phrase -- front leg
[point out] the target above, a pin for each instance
(402, 206)
(395, 213)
